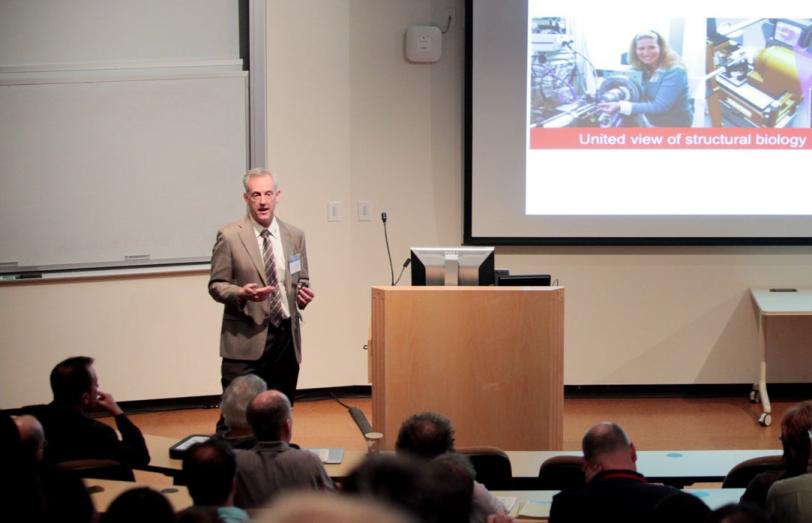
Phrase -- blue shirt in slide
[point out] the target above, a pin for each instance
(666, 99)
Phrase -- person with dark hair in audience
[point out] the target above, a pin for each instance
(273, 465)
(738, 513)
(795, 426)
(614, 491)
(425, 435)
(679, 507)
(428, 435)
(452, 477)
(236, 397)
(399, 481)
(195, 514)
(72, 434)
(209, 469)
(435, 491)
(139, 505)
(790, 500)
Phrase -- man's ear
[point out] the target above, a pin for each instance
(85, 399)
(634, 452)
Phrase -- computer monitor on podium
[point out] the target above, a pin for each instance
(452, 266)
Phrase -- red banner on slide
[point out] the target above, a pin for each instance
(669, 138)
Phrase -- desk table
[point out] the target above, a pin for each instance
(673, 467)
(543, 499)
(159, 460)
(104, 491)
(774, 303)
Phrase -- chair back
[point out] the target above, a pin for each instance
(561, 472)
(742, 474)
(492, 466)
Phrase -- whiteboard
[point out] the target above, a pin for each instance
(96, 170)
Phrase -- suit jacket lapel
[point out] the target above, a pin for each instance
(249, 240)
(287, 246)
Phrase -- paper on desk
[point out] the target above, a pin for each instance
(507, 502)
(328, 456)
(535, 509)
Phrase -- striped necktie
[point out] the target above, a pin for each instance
(271, 279)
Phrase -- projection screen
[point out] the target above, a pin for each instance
(596, 123)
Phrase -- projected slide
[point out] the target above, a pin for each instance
(753, 80)
(640, 122)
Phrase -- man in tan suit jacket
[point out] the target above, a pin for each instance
(254, 339)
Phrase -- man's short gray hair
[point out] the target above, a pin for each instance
(236, 398)
(260, 171)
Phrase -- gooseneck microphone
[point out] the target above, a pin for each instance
(388, 252)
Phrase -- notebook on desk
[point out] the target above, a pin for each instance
(329, 456)
(535, 509)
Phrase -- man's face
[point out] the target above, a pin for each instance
(261, 198)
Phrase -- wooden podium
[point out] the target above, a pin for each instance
(489, 358)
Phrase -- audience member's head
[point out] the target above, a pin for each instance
(452, 477)
(236, 398)
(139, 505)
(738, 513)
(74, 383)
(426, 435)
(795, 427)
(269, 415)
(607, 447)
(198, 515)
(66, 498)
(209, 470)
(20, 483)
(679, 507)
(32, 437)
(399, 481)
(324, 507)
(11, 444)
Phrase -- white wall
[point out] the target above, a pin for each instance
(350, 120)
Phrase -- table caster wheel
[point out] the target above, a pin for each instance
(755, 397)
(765, 420)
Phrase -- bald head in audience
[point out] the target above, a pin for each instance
(607, 447)
(31, 435)
(269, 415)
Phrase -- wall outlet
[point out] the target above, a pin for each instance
(364, 211)
(334, 211)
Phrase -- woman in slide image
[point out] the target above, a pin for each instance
(665, 98)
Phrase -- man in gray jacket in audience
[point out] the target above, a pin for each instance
(273, 465)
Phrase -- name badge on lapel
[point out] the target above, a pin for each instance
(295, 265)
